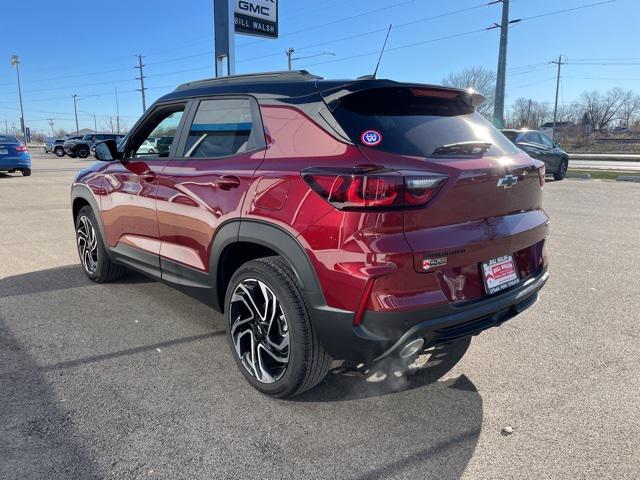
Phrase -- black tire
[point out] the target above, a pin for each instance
(26, 172)
(82, 152)
(59, 151)
(308, 362)
(105, 270)
(561, 174)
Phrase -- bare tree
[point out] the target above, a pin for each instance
(527, 113)
(630, 110)
(602, 109)
(481, 79)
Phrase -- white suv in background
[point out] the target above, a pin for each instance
(150, 146)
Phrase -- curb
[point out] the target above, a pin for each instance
(628, 178)
(583, 176)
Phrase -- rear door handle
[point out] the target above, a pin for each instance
(227, 182)
(147, 177)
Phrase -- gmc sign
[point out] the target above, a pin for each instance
(256, 17)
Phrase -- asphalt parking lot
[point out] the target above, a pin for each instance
(135, 380)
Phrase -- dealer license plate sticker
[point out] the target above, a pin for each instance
(499, 274)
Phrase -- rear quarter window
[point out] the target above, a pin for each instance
(416, 125)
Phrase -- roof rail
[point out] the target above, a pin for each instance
(251, 77)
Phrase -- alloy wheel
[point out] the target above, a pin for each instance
(259, 330)
(87, 244)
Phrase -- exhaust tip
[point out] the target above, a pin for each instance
(411, 348)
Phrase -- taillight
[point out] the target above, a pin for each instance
(372, 188)
(542, 171)
(21, 148)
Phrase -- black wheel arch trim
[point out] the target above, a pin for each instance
(79, 190)
(273, 237)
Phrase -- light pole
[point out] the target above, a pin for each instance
(291, 58)
(75, 110)
(289, 53)
(15, 61)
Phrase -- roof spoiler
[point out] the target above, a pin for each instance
(333, 95)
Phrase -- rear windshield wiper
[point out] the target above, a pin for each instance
(468, 149)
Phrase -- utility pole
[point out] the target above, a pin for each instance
(289, 53)
(498, 109)
(117, 112)
(141, 78)
(95, 124)
(75, 111)
(15, 61)
(555, 107)
(6, 126)
(528, 113)
(51, 125)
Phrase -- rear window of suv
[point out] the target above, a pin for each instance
(416, 124)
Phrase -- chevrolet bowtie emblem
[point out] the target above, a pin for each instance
(507, 181)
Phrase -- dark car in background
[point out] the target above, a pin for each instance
(82, 147)
(162, 145)
(56, 146)
(539, 146)
(14, 156)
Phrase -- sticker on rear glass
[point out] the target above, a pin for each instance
(371, 138)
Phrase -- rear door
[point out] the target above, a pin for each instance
(220, 148)
(553, 155)
(129, 203)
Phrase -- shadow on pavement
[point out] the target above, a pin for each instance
(187, 412)
(130, 351)
(53, 279)
(349, 385)
(36, 435)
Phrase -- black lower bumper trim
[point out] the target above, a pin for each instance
(383, 333)
(473, 319)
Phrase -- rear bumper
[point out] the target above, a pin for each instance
(12, 163)
(382, 334)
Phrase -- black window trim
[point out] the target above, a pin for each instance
(151, 112)
(195, 103)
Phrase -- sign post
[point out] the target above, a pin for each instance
(224, 36)
(246, 17)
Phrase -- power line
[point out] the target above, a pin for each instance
(410, 45)
(335, 40)
(566, 10)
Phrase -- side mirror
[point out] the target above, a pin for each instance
(107, 151)
(556, 145)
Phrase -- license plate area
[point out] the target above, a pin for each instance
(499, 274)
(4, 151)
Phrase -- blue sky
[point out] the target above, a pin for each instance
(88, 48)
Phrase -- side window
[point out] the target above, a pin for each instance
(534, 137)
(163, 126)
(224, 127)
(546, 141)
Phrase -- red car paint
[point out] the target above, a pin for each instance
(365, 261)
